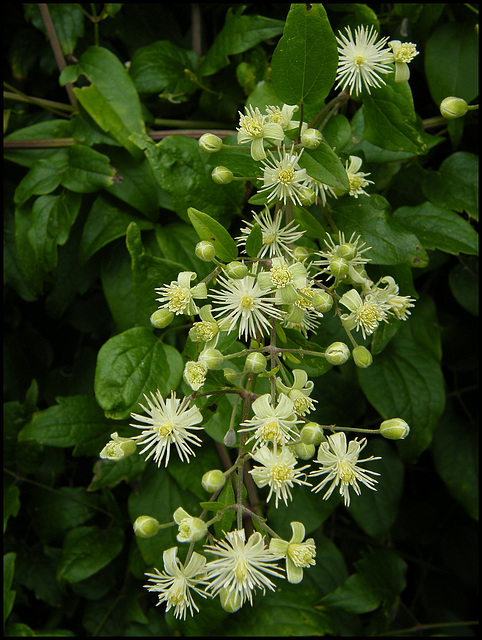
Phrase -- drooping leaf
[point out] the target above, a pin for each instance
(254, 241)
(324, 165)
(209, 229)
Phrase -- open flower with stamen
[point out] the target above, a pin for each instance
(299, 391)
(285, 278)
(284, 116)
(168, 423)
(284, 178)
(365, 313)
(276, 238)
(321, 190)
(175, 583)
(178, 296)
(255, 128)
(278, 472)
(339, 461)
(207, 329)
(300, 318)
(386, 290)
(361, 60)
(299, 553)
(241, 567)
(403, 53)
(194, 374)
(276, 424)
(244, 302)
(356, 178)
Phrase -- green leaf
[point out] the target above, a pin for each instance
(8, 594)
(209, 229)
(324, 165)
(405, 380)
(337, 132)
(86, 170)
(254, 241)
(87, 550)
(76, 421)
(464, 284)
(177, 242)
(312, 364)
(451, 61)
(68, 23)
(390, 242)
(51, 129)
(305, 60)
(11, 503)
(43, 178)
(111, 100)
(439, 228)
(109, 473)
(130, 365)
(238, 34)
(118, 287)
(226, 498)
(309, 223)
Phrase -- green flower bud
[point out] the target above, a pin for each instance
(118, 448)
(222, 175)
(312, 433)
(210, 143)
(322, 301)
(300, 253)
(337, 353)
(231, 375)
(236, 270)
(146, 527)
(339, 267)
(394, 429)
(205, 251)
(213, 480)
(212, 358)
(230, 438)
(452, 107)
(346, 251)
(305, 451)
(256, 362)
(311, 138)
(307, 196)
(362, 357)
(230, 602)
(162, 318)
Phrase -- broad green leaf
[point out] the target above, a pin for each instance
(106, 222)
(86, 170)
(118, 287)
(238, 34)
(109, 473)
(11, 503)
(309, 223)
(8, 593)
(60, 130)
(177, 242)
(111, 100)
(68, 23)
(324, 165)
(254, 241)
(330, 570)
(217, 418)
(464, 284)
(188, 476)
(454, 449)
(439, 228)
(376, 511)
(405, 380)
(337, 132)
(370, 218)
(305, 60)
(76, 421)
(353, 596)
(238, 160)
(456, 184)
(87, 550)
(159, 68)
(226, 497)
(184, 172)
(43, 178)
(130, 365)
(451, 61)
(209, 229)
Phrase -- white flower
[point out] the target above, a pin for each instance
(346, 252)
(194, 374)
(299, 391)
(241, 567)
(339, 462)
(254, 128)
(245, 302)
(366, 314)
(278, 472)
(402, 54)
(276, 239)
(361, 61)
(300, 318)
(285, 278)
(178, 296)
(356, 178)
(207, 329)
(175, 583)
(190, 529)
(284, 116)
(118, 448)
(397, 305)
(169, 421)
(271, 423)
(284, 177)
(299, 553)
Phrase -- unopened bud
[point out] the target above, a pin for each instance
(118, 448)
(213, 480)
(231, 601)
(394, 429)
(205, 250)
(339, 267)
(256, 362)
(346, 251)
(312, 433)
(190, 529)
(362, 357)
(322, 301)
(337, 353)
(452, 107)
(222, 175)
(162, 318)
(146, 527)
(231, 375)
(307, 196)
(210, 143)
(236, 270)
(311, 138)
(305, 451)
(230, 438)
(300, 253)
(212, 358)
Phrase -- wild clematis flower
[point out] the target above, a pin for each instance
(284, 116)
(299, 553)
(356, 178)
(285, 279)
(299, 391)
(403, 53)
(207, 329)
(276, 238)
(194, 374)
(118, 448)
(190, 529)
(386, 291)
(271, 423)
(365, 313)
(284, 178)
(343, 254)
(339, 462)
(178, 296)
(255, 128)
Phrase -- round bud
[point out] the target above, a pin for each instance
(305, 451)
(146, 527)
(300, 253)
(231, 375)
(210, 143)
(311, 138)
(322, 301)
(222, 175)
(307, 196)
(452, 107)
(162, 318)
(211, 358)
(213, 480)
(236, 270)
(337, 353)
(118, 448)
(346, 251)
(312, 433)
(230, 438)
(362, 357)
(394, 429)
(256, 362)
(339, 267)
(205, 250)
(230, 601)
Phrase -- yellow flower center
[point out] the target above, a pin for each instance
(269, 238)
(303, 405)
(164, 428)
(178, 299)
(368, 315)
(269, 431)
(304, 301)
(205, 330)
(345, 472)
(406, 52)
(246, 302)
(252, 127)
(302, 555)
(359, 60)
(241, 570)
(356, 183)
(285, 176)
(275, 115)
(280, 276)
(176, 597)
(280, 473)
